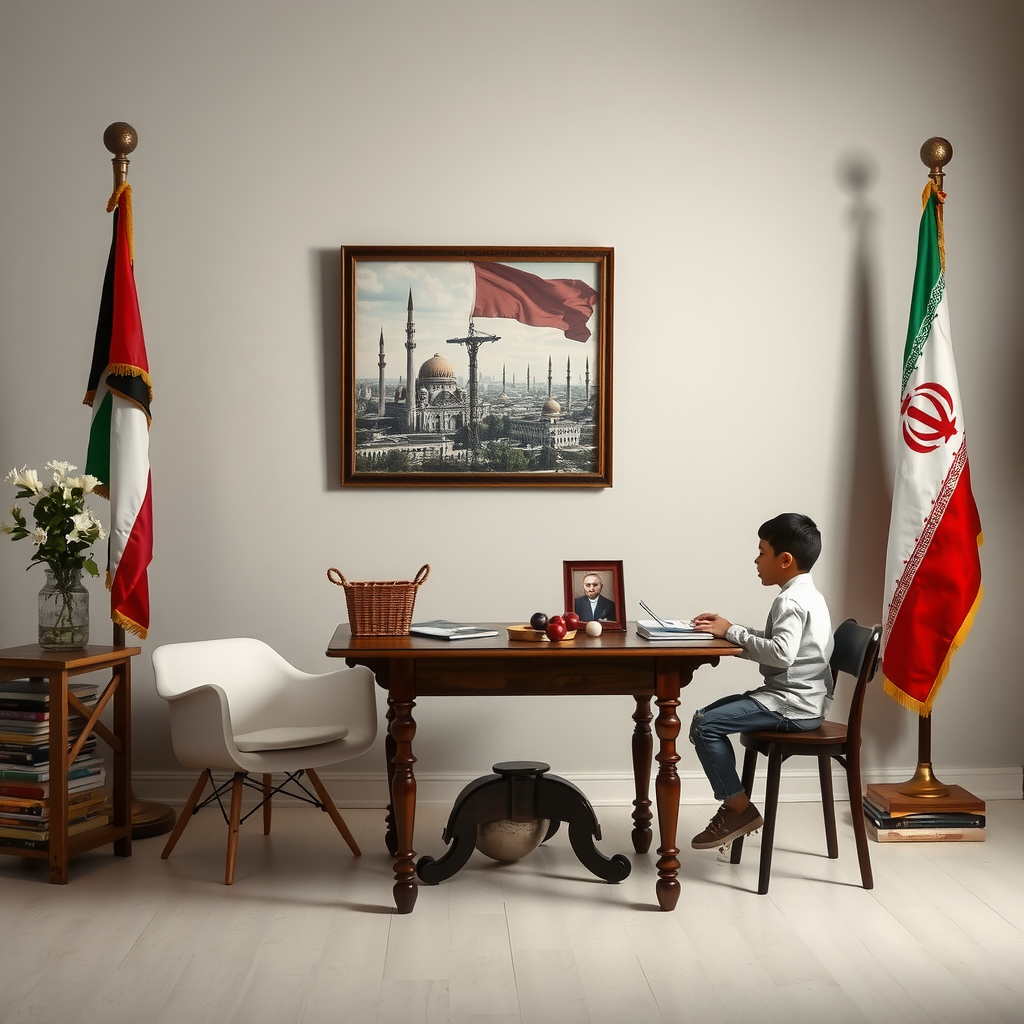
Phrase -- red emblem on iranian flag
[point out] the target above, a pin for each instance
(926, 417)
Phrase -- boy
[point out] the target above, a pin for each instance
(792, 651)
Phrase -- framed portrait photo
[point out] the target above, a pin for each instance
(476, 367)
(595, 590)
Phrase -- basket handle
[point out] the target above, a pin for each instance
(421, 576)
(340, 581)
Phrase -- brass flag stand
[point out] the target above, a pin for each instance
(148, 819)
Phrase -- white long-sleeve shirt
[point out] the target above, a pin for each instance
(793, 651)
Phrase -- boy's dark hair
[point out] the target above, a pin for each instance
(796, 534)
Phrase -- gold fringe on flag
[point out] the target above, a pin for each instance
(940, 198)
(924, 708)
(112, 202)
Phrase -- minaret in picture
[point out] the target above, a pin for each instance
(410, 371)
(587, 393)
(527, 378)
(380, 381)
(568, 384)
(549, 376)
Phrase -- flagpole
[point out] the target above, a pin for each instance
(148, 819)
(935, 154)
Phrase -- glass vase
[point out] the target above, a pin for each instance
(63, 611)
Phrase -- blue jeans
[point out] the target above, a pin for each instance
(712, 726)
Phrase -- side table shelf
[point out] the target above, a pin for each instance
(58, 667)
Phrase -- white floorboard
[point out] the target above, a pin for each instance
(308, 934)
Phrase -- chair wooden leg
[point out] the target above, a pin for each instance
(328, 802)
(749, 765)
(771, 806)
(233, 823)
(860, 831)
(268, 789)
(828, 806)
(186, 812)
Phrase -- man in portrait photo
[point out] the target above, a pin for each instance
(593, 605)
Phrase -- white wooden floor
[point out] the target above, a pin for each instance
(308, 934)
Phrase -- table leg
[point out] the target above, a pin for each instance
(643, 750)
(403, 783)
(58, 683)
(390, 834)
(667, 784)
(122, 781)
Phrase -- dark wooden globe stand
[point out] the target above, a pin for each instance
(521, 791)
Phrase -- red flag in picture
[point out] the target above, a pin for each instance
(512, 294)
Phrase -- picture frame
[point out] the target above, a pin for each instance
(612, 588)
(510, 355)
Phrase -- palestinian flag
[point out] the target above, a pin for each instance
(933, 567)
(120, 393)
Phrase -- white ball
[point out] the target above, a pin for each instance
(594, 628)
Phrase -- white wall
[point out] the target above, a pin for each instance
(760, 306)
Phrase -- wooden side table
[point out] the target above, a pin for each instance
(58, 667)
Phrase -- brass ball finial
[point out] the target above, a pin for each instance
(120, 138)
(936, 153)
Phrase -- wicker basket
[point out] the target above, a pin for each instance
(381, 607)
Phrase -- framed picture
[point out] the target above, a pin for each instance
(476, 367)
(594, 590)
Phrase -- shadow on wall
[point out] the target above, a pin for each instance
(327, 269)
(862, 564)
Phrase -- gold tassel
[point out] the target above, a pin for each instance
(129, 233)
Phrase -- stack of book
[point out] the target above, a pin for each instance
(25, 766)
(892, 817)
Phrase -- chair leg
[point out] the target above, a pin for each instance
(749, 764)
(771, 806)
(233, 823)
(328, 802)
(860, 831)
(268, 790)
(186, 812)
(828, 806)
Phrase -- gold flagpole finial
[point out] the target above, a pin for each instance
(935, 154)
(120, 139)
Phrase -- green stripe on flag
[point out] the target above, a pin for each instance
(97, 461)
(929, 284)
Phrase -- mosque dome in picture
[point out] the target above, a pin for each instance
(437, 368)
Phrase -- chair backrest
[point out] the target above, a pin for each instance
(855, 652)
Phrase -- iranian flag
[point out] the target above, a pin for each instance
(120, 392)
(933, 568)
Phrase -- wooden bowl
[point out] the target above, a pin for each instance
(529, 633)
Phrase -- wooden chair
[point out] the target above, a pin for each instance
(855, 653)
(236, 705)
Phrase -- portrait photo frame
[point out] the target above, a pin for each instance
(612, 589)
(509, 351)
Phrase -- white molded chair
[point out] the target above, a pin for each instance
(236, 705)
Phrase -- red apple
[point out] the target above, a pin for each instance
(557, 618)
(556, 628)
(572, 621)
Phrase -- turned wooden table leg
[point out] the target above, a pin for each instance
(643, 751)
(667, 784)
(390, 834)
(403, 784)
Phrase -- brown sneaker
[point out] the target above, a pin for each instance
(726, 826)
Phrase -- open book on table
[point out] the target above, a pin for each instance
(442, 629)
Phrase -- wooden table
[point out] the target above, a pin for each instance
(58, 667)
(409, 667)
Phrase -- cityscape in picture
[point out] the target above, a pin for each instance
(489, 393)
